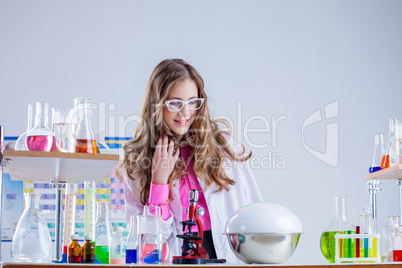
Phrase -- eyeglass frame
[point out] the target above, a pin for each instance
(184, 103)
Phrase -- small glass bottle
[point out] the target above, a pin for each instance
(397, 245)
(40, 137)
(31, 241)
(84, 132)
(88, 250)
(20, 144)
(74, 254)
(117, 253)
(378, 152)
(103, 232)
(339, 224)
(132, 241)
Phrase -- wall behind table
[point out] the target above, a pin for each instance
(261, 61)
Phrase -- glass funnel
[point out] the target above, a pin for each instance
(339, 224)
(40, 137)
(63, 129)
(84, 132)
(20, 144)
(31, 240)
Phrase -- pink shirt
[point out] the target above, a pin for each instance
(159, 194)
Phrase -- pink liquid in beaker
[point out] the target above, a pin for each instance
(41, 143)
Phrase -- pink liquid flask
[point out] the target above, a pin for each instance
(41, 143)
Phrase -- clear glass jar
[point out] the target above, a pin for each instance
(150, 236)
(63, 129)
(103, 232)
(117, 248)
(40, 137)
(20, 144)
(31, 240)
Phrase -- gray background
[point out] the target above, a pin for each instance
(273, 58)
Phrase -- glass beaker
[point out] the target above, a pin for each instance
(132, 240)
(31, 240)
(378, 152)
(40, 137)
(103, 231)
(20, 144)
(63, 129)
(150, 235)
(70, 213)
(339, 224)
(84, 133)
(89, 206)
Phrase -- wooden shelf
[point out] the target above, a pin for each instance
(391, 173)
(59, 167)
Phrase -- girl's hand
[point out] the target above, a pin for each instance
(163, 161)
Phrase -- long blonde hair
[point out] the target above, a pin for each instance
(207, 157)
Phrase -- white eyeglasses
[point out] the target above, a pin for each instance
(177, 105)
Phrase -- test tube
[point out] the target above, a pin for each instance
(89, 206)
(70, 212)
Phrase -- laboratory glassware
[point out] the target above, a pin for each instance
(385, 158)
(31, 241)
(103, 231)
(392, 146)
(150, 235)
(84, 133)
(398, 144)
(393, 223)
(40, 137)
(74, 254)
(70, 214)
(378, 152)
(132, 240)
(20, 144)
(339, 224)
(117, 248)
(88, 250)
(397, 245)
(367, 247)
(62, 127)
(89, 205)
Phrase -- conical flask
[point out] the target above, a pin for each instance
(84, 133)
(378, 152)
(339, 224)
(31, 240)
(40, 137)
(20, 144)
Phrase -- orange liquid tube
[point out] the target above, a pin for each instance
(385, 162)
(86, 146)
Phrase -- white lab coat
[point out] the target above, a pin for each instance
(221, 206)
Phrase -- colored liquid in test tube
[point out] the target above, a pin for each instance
(89, 205)
(70, 212)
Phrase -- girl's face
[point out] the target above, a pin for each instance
(179, 122)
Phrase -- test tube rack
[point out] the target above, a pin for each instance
(373, 254)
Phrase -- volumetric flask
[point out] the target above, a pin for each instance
(63, 129)
(103, 231)
(89, 207)
(31, 240)
(20, 144)
(150, 235)
(69, 215)
(40, 137)
(84, 132)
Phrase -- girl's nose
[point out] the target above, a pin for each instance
(185, 111)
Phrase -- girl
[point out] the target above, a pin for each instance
(178, 147)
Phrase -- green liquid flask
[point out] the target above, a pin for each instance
(103, 232)
(339, 224)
